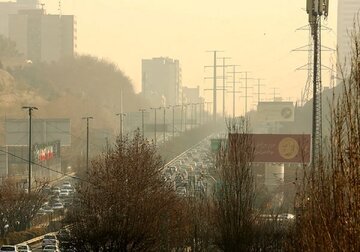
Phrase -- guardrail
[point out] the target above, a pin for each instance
(181, 154)
(36, 239)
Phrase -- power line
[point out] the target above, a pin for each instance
(43, 166)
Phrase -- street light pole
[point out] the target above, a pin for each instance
(142, 121)
(87, 141)
(185, 119)
(173, 122)
(30, 109)
(154, 125)
(121, 126)
(164, 125)
(181, 117)
(191, 116)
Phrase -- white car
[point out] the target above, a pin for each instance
(66, 184)
(58, 206)
(7, 248)
(23, 248)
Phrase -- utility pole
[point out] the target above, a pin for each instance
(246, 89)
(275, 93)
(259, 88)
(214, 83)
(121, 125)
(224, 82)
(316, 9)
(30, 109)
(87, 141)
(142, 121)
(234, 87)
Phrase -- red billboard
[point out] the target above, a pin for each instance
(44, 152)
(281, 148)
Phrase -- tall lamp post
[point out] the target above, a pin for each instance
(30, 109)
(87, 118)
(142, 121)
(164, 129)
(155, 124)
(121, 125)
(185, 117)
(181, 117)
(173, 119)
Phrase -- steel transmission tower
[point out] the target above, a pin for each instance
(316, 9)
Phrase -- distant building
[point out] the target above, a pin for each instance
(42, 37)
(8, 8)
(192, 95)
(347, 13)
(161, 81)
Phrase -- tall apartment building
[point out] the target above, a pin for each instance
(161, 81)
(42, 37)
(9, 8)
(347, 13)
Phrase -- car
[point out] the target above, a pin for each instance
(49, 239)
(66, 184)
(6, 248)
(46, 209)
(64, 194)
(23, 248)
(55, 190)
(51, 248)
(181, 191)
(57, 206)
(68, 202)
(286, 216)
(63, 234)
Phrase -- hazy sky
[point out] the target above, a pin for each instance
(258, 35)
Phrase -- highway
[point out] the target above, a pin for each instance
(188, 172)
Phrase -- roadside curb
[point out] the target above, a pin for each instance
(36, 239)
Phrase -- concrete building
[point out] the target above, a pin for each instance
(191, 95)
(9, 8)
(161, 81)
(42, 37)
(347, 11)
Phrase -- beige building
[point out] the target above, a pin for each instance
(42, 37)
(9, 8)
(161, 81)
(191, 95)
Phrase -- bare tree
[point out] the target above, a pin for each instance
(18, 208)
(233, 214)
(126, 205)
(329, 196)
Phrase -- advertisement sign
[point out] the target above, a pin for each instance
(280, 148)
(275, 112)
(44, 152)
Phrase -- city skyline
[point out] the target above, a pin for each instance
(186, 30)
